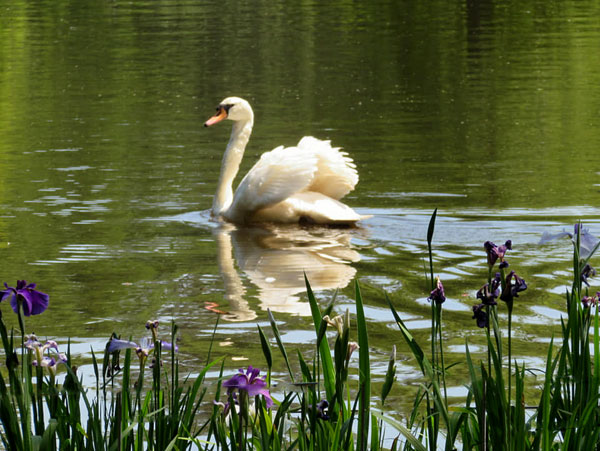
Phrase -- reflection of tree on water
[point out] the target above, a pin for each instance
(275, 259)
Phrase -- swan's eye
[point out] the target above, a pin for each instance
(227, 108)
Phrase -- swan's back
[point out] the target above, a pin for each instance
(336, 174)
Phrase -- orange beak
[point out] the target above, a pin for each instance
(221, 114)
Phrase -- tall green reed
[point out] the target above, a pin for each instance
(495, 414)
(145, 404)
(322, 409)
(39, 413)
(138, 400)
(431, 398)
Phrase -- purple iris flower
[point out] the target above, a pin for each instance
(438, 295)
(51, 363)
(480, 315)
(496, 252)
(322, 410)
(588, 301)
(587, 271)
(34, 302)
(514, 285)
(45, 361)
(250, 383)
(489, 293)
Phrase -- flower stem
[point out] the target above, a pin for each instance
(510, 305)
(443, 366)
(22, 327)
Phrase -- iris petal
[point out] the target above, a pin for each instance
(267, 396)
(167, 346)
(10, 293)
(116, 345)
(39, 302)
(14, 304)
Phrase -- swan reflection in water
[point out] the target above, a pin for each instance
(275, 259)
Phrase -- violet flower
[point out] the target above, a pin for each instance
(588, 301)
(250, 383)
(322, 410)
(437, 294)
(497, 252)
(51, 363)
(33, 302)
(42, 360)
(480, 315)
(587, 271)
(487, 293)
(512, 290)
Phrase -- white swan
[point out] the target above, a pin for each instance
(287, 185)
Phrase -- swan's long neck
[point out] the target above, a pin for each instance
(240, 134)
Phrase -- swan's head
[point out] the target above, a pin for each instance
(232, 108)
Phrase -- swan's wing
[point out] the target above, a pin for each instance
(336, 173)
(276, 176)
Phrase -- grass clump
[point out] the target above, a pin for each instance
(496, 415)
(138, 399)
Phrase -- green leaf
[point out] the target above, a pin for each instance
(412, 343)
(431, 227)
(280, 343)
(324, 351)
(265, 347)
(390, 376)
(410, 438)
(364, 373)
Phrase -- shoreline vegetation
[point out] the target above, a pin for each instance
(138, 399)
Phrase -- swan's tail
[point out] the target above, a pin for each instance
(312, 208)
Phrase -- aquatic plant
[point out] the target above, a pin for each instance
(567, 412)
(324, 407)
(37, 413)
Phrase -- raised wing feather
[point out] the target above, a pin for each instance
(276, 176)
(336, 173)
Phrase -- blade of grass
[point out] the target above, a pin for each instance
(410, 438)
(364, 373)
(280, 343)
(412, 343)
(430, 230)
(324, 351)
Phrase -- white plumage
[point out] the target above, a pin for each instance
(286, 185)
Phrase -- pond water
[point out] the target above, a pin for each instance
(489, 113)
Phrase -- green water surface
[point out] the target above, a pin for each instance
(488, 111)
